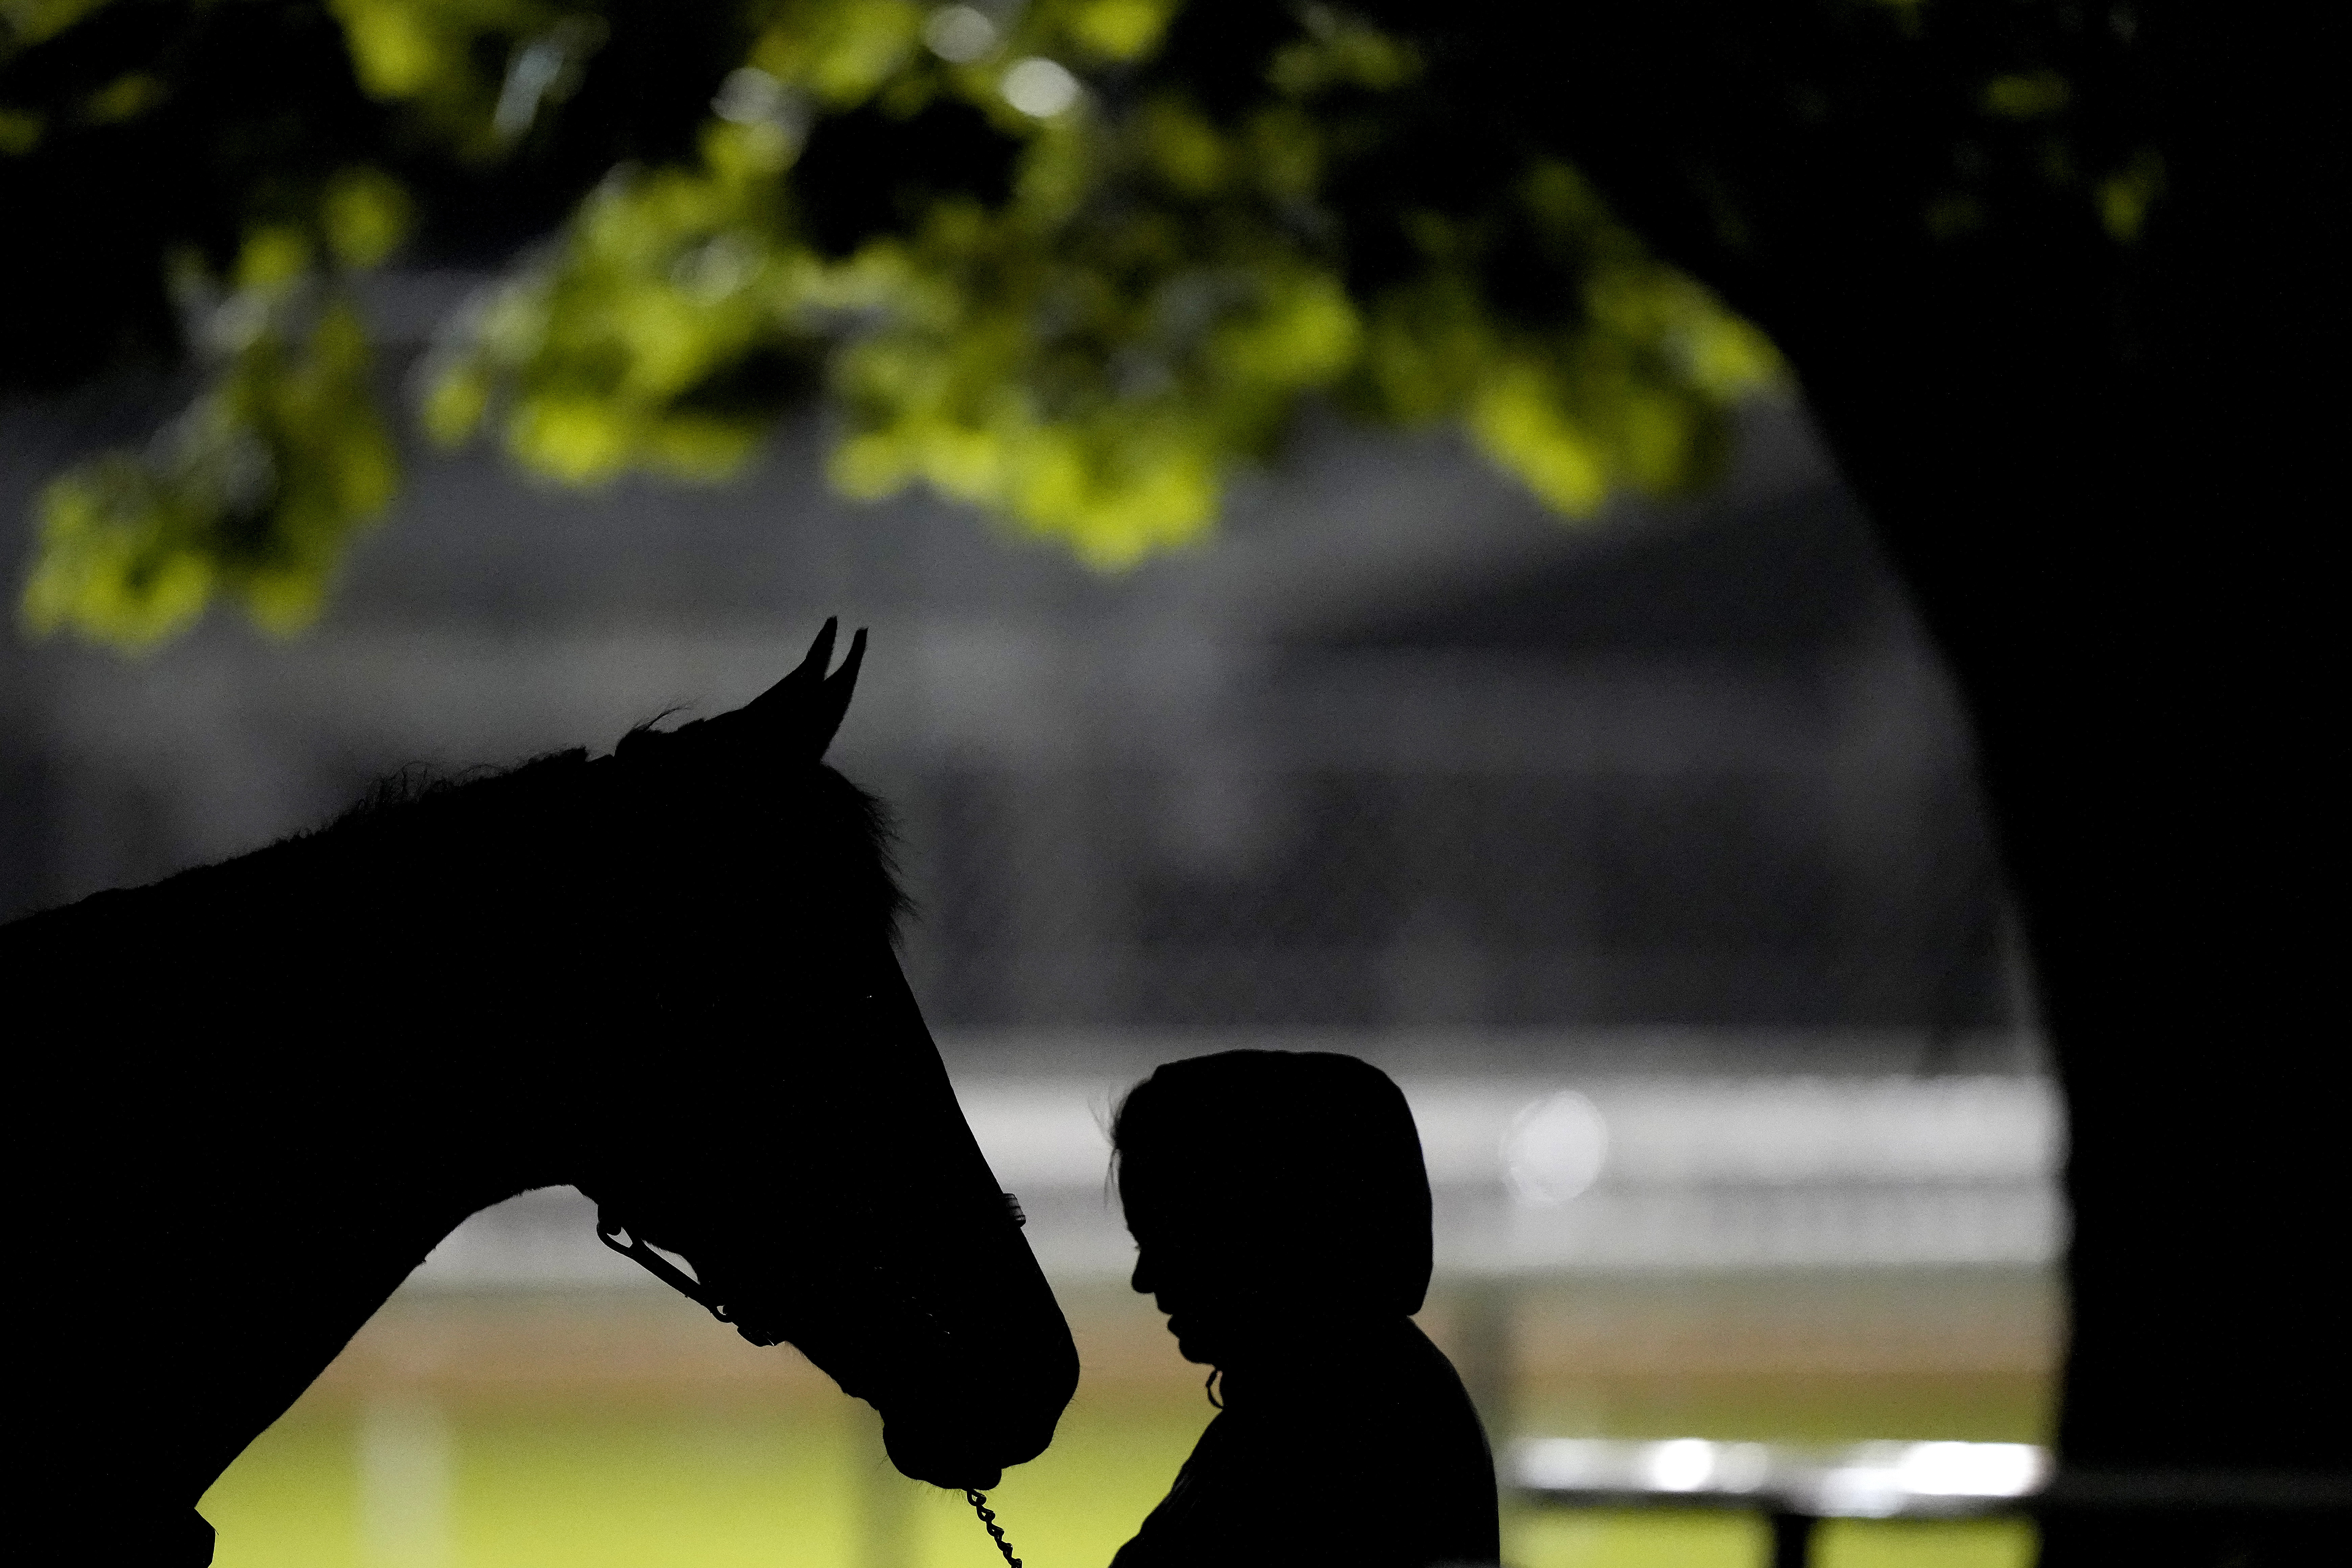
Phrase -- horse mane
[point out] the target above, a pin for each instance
(412, 784)
(418, 807)
(405, 799)
(419, 799)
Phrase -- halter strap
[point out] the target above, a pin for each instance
(611, 1231)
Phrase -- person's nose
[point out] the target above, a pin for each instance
(1141, 1282)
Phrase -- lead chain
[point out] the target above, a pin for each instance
(979, 1501)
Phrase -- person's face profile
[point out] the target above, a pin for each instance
(1179, 1261)
(1167, 1247)
(1204, 1305)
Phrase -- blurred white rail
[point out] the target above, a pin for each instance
(1540, 1176)
(1867, 1480)
(1533, 1176)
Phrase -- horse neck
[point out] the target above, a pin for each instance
(267, 1088)
(376, 988)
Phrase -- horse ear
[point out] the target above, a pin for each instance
(833, 693)
(807, 705)
(790, 691)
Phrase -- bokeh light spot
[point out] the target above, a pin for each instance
(1040, 88)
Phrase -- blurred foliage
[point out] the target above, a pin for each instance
(1113, 301)
(1072, 261)
(257, 485)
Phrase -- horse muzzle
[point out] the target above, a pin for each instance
(954, 1454)
(968, 1436)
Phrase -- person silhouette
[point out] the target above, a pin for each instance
(1281, 1216)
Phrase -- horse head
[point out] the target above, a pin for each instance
(785, 1146)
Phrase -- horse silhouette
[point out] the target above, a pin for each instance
(251, 1098)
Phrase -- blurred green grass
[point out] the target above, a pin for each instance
(699, 1484)
(636, 1483)
(743, 1484)
(563, 1433)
